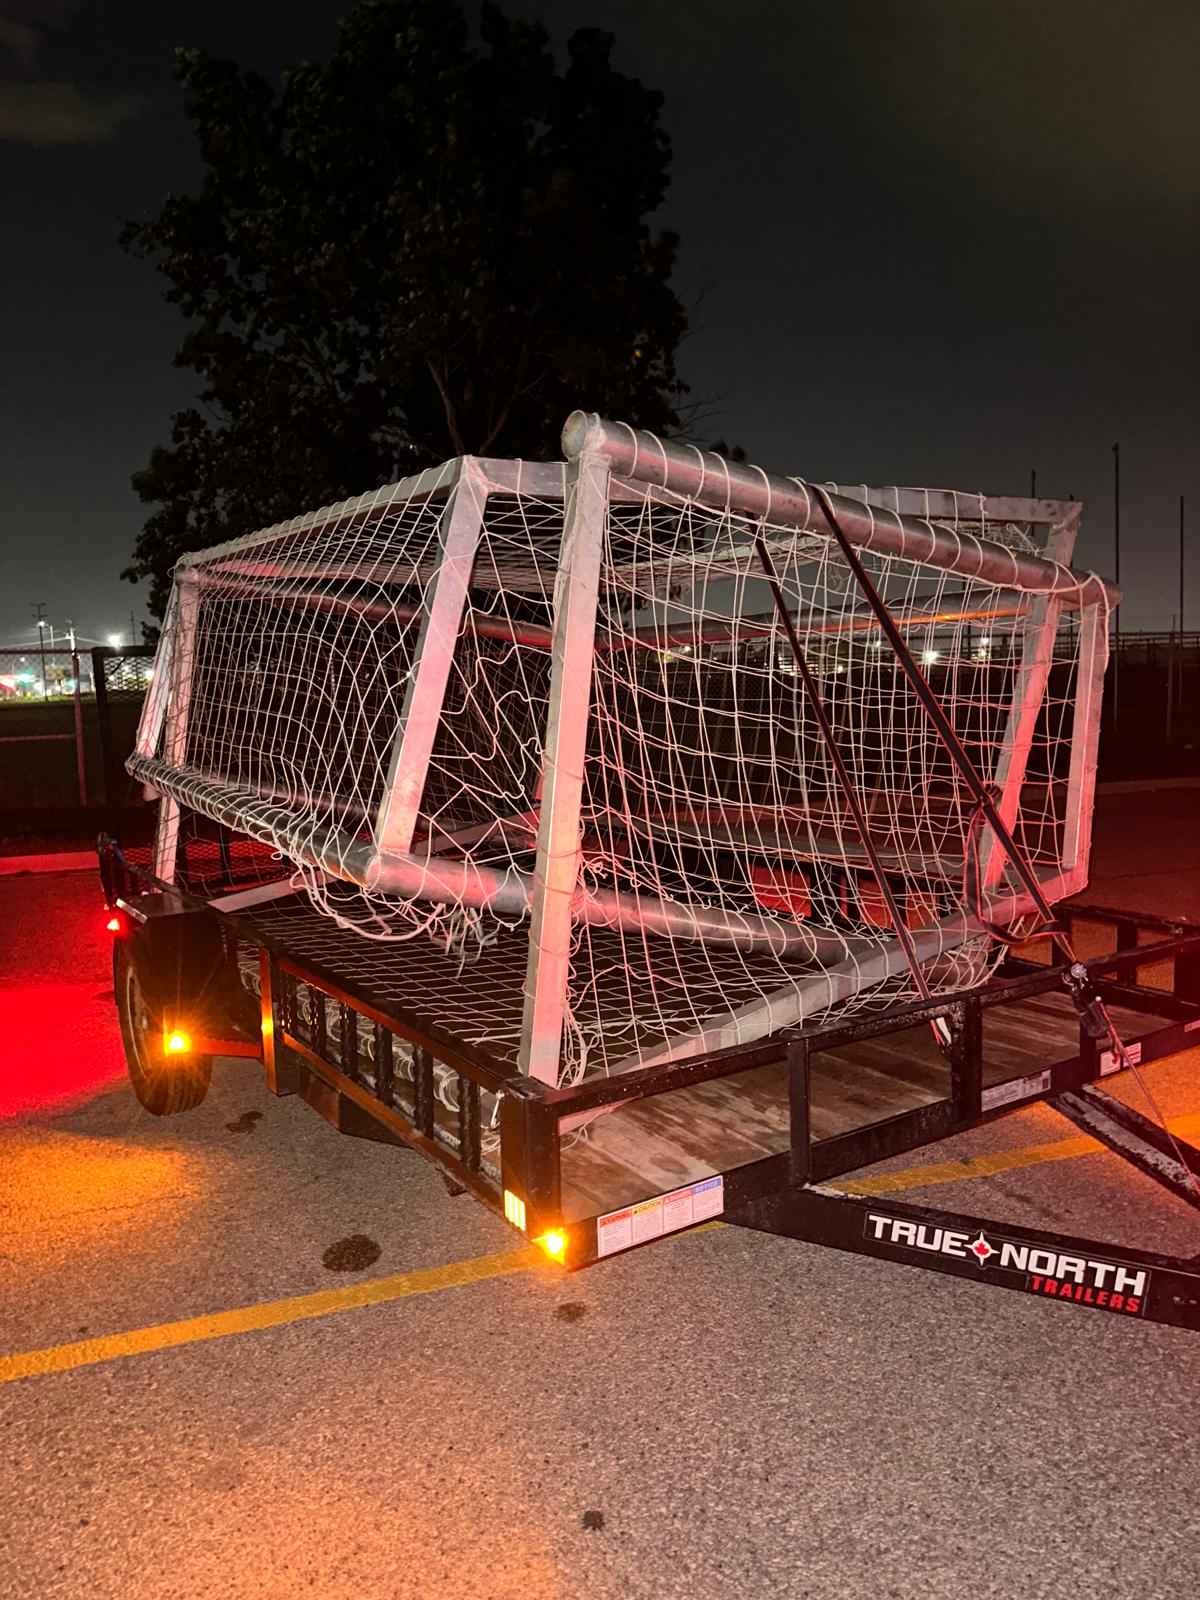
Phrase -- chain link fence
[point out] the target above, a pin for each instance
(67, 722)
(43, 731)
(1152, 706)
(121, 679)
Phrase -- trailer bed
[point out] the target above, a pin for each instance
(646, 1147)
(475, 994)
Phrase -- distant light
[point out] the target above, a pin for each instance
(929, 657)
(178, 1044)
(114, 641)
(876, 644)
(985, 641)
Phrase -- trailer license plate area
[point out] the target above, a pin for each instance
(666, 1213)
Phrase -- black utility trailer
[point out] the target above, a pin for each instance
(843, 1095)
(646, 838)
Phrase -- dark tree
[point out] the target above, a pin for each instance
(423, 247)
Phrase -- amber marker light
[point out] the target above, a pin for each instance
(178, 1044)
(554, 1244)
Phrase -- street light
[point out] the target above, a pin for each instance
(42, 626)
(114, 641)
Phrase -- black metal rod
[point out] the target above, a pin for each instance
(799, 1070)
(348, 1029)
(423, 1113)
(318, 1020)
(468, 1123)
(945, 729)
(385, 1064)
(849, 793)
(966, 1057)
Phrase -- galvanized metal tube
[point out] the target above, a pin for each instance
(713, 481)
(320, 845)
(261, 586)
(440, 881)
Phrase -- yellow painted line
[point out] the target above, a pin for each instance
(276, 1313)
(432, 1280)
(1031, 1155)
(271, 1314)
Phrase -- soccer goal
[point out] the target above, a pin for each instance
(629, 758)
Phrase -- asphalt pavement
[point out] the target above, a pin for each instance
(721, 1414)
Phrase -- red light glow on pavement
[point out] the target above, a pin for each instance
(60, 1041)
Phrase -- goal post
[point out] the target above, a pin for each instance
(559, 842)
(542, 718)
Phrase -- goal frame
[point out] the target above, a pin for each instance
(611, 463)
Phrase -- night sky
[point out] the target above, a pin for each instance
(935, 242)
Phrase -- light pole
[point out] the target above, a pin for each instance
(1181, 571)
(42, 626)
(1179, 675)
(1117, 578)
(77, 694)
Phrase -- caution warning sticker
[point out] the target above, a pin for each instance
(666, 1213)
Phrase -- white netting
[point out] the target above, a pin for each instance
(710, 802)
(708, 779)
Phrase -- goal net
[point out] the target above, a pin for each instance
(536, 736)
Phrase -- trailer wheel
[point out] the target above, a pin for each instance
(162, 1083)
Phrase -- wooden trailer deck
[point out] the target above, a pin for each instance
(648, 1147)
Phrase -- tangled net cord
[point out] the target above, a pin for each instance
(649, 763)
(1086, 998)
(659, 777)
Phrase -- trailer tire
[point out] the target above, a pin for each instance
(162, 1083)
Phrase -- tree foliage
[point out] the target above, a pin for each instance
(431, 244)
